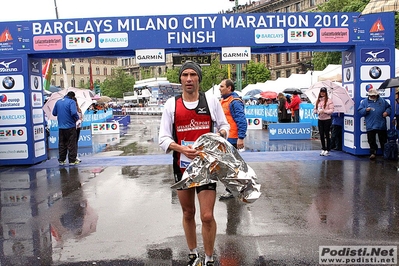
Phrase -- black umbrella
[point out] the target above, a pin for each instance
(292, 90)
(390, 83)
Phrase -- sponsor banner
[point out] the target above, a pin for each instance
(80, 41)
(37, 99)
(11, 83)
(375, 56)
(254, 123)
(37, 115)
(236, 54)
(12, 100)
(13, 151)
(40, 148)
(10, 65)
(85, 139)
(47, 43)
(35, 83)
(13, 134)
(269, 36)
(302, 35)
(34, 67)
(364, 255)
(105, 128)
(38, 132)
(12, 181)
(289, 131)
(113, 40)
(373, 72)
(150, 56)
(17, 117)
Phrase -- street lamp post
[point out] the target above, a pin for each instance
(73, 74)
(238, 66)
(55, 74)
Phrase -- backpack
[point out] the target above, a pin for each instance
(392, 135)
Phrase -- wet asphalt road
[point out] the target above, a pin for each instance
(120, 210)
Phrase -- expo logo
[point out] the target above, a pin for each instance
(255, 121)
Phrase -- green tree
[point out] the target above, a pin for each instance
(255, 72)
(213, 74)
(118, 83)
(172, 75)
(322, 59)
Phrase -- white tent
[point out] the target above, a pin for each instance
(214, 91)
(332, 73)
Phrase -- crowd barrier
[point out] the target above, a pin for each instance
(268, 113)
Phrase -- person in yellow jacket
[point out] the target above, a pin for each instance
(234, 110)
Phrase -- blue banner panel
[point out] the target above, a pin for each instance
(85, 139)
(280, 131)
(210, 32)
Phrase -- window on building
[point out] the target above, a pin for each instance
(288, 73)
(312, 2)
(105, 71)
(268, 59)
(278, 74)
(258, 58)
(297, 56)
(62, 83)
(82, 83)
(298, 6)
(288, 57)
(104, 61)
(278, 59)
(287, 9)
(97, 71)
(81, 60)
(82, 70)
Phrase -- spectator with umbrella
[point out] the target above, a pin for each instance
(324, 107)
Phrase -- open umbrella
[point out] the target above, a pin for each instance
(389, 83)
(292, 90)
(253, 92)
(104, 99)
(340, 97)
(83, 97)
(268, 94)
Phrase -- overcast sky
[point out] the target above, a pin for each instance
(20, 10)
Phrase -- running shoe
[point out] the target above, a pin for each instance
(61, 163)
(75, 163)
(194, 260)
(326, 153)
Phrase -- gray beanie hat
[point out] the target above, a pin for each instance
(191, 65)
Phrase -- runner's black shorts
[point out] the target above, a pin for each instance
(210, 186)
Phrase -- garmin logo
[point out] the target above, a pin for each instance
(149, 57)
(235, 55)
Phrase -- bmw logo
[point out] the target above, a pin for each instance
(375, 72)
(8, 83)
(36, 82)
(348, 74)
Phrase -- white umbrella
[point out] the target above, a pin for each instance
(83, 97)
(340, 97)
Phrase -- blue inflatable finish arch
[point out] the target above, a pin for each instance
(149, 38)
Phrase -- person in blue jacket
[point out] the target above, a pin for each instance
(375, 110)
(67, 115)
(336, 130)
